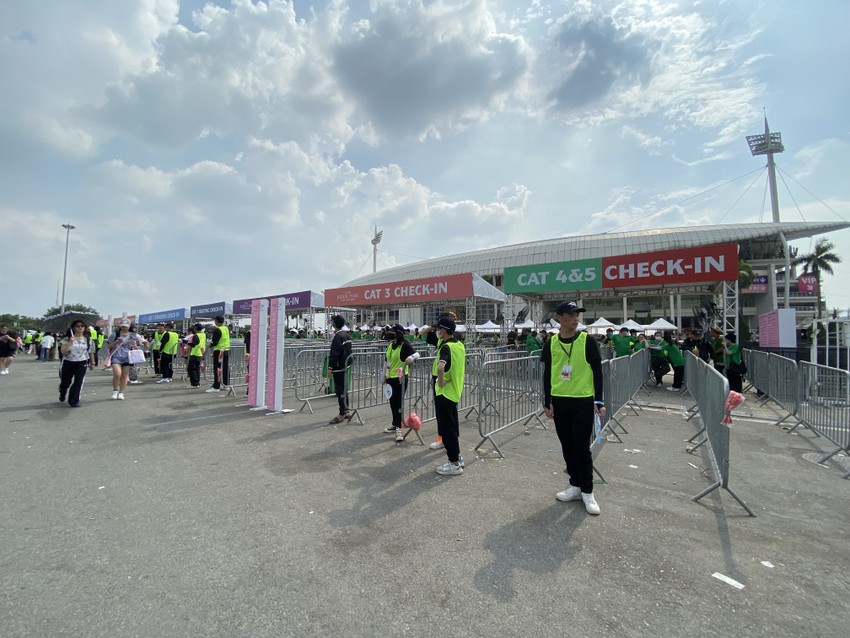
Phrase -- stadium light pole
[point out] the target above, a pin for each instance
(68, 228)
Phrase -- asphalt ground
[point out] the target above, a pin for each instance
(177, 513)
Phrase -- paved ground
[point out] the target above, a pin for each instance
(176, 513)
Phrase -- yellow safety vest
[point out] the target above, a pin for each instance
(198, 350)
(572, 357)
(224, 340)
(171, 345)
(455, 374)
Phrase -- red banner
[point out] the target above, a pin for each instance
(672, 267)
(807, 284)
(415, 290)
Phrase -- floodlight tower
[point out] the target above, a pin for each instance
(68, 228)
(375, 241)
(769, 144)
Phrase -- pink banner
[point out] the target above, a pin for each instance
(271, 371)
(253, 362)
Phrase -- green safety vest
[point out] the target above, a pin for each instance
(198, 350)
(454, 376)
(580, 384)
(171, 346)
(224, 340)
(100, 338)
(672, 352)
(157, 340)
(394, 362)
(28, 339)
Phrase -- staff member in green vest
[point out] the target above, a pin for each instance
(623, 343)
(450, 368)
(671, 350)
(168, 348)
(156, 347)
(400, 354)
(221, 355)
(196, 342)
(572, 396)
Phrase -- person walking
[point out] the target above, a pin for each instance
(221, 355)
(671, 350)
(77, 350)
(119, 346)
(47, 342)
(450, 369)
(196, 343)
(168, 342)
(572, 397)
(156, 348)
(338, 361)
(400, 355)
(732, 360)
(8, 348)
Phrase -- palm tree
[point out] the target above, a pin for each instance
(820, 260)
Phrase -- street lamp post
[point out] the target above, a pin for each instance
(68, 228)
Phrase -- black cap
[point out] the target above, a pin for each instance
(568, 306)
(198, 326)
(732, 337)
(398, 328)
(446, 324)
(338, 321)
(169, 325)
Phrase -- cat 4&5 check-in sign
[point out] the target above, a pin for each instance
(665, 268)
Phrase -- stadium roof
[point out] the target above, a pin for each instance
(495, 260)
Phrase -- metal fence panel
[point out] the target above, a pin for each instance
(824, 407)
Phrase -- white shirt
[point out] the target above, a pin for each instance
(80, 349)
(47, 341)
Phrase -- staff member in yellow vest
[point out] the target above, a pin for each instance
(221, 355)
(196, 342)
(156, 347)
(450, 368)
(400, 354)
(430, 334)
(572, 391)
(168, 348)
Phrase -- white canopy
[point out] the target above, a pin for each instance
(661, 324)
(528, 323)
(364, 327)
(553, 326)
(488, 326)
(631, 324)
(602, 322)
(412, 327)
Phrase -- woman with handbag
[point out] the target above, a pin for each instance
(125, 348)
(77, 350)
(735, 367)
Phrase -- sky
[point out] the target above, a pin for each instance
(211, 151)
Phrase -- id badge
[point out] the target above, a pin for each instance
(566, 373)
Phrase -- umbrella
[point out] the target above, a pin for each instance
(61, 322)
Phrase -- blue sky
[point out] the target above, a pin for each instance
(214, 151)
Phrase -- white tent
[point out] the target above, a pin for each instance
(364, 327)
(553, 326)
(488, 326)
(602, 322)
(528, 323)
(661, 324)
(412, 327)
(631, 324)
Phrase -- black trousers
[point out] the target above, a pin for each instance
(193, 370)
(71, 377)
(678, 376)
(166, 365)
(221, 363)
(574, 425)
(156, 355)
(448, 426)
(395, 400)
(736, 381)
(340, 390)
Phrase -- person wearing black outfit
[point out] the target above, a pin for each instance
(572, 391)
(400, 354)
(77, 351)
(431, 339)
(338, 361)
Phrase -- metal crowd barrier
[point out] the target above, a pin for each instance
(776, 378)
(626, 377)
(709, 389)
(510, 392)
(825, 404)
(237, 364)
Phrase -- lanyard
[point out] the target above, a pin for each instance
(570, 353)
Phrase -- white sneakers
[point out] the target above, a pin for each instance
(211, 390)
(590, 504)
(120, 396)
(164, 381)
(399, 436)
(4, 372)
(573, 493)
(449, 469)
(114, 394)
(437, 445)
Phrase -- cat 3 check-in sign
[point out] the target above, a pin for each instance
(666, 268)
